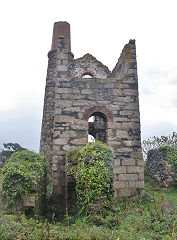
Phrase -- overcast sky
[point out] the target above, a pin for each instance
(98, 27)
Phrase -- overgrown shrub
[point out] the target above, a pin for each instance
(134, 219)
(161, 164)
(24, 174)
(157, 142)
(93, 172)
(171, 155)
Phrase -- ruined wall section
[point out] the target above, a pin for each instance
(115, 98)
(70, 100)
(76, 99)
(53, 126)
(159, 167)
(46, 142)
(126, 64)
(129, 164)
(61, 128)
(89, 65)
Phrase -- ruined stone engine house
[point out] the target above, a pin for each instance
(84, 98)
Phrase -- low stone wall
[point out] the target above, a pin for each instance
(159, 167)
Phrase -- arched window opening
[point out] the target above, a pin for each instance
(97, 127)
(87, 75)
(90, 122)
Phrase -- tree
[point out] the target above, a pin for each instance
(156, 142)
(9, 149)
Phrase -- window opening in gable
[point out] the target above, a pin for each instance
(87, 75)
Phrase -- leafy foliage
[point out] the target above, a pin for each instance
(24, 173)
(157, 142)
(93, 174)
(171, 155)
(133, 219)
(159, 148)
(9, 149)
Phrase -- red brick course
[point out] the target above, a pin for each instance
(92, 110)
(63, 29)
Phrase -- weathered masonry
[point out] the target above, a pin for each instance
(83, 97)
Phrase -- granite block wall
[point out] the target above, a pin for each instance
(159, 167)
(71, 99)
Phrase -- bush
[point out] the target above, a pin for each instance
(171, 155)
(93, 174)
(8, 150)
(24, 174)
(134, 219)
(157, 142)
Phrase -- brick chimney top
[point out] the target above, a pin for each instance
(61, 29)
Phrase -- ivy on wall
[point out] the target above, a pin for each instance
(171, 154)
(93, 172)
(24, 174)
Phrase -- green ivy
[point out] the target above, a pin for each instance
(93, 173)
(24, 173)
(171, 155)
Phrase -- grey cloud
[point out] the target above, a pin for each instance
(155, 73)
(21, 125)
(157, 129)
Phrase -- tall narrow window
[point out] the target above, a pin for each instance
(90, 122)
(97, 127)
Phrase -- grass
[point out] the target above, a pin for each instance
(0, 174)
(153, 189)
(132, 219)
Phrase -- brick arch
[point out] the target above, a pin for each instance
(89, 112)
(87, 72)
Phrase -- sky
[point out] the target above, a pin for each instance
(98, 27)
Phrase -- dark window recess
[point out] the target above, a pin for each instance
(97, 127)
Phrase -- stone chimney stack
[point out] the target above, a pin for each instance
(61, 29)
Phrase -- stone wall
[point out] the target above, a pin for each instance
(89, 65)
(126, 66)
(159, 167)
(70, 100)
(47, 130)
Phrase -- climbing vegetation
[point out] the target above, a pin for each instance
(24, 174)
(171, 155)
(93, 172)
(164, 147)
(157, 142)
